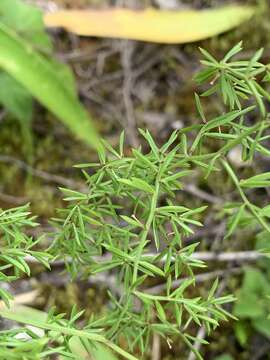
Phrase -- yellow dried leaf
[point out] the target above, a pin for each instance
(150, 24)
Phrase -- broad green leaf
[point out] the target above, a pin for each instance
(155, 25)
(26, 21)
(255, 282)
(65, 75)
(247, 306)
(252, 299)
(22, 314)
(15, 98)
(262, 325)
(40, 78)
(241, 332)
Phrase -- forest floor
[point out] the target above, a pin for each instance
(128, 85)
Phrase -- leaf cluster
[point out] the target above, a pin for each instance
(128, 221)
(16, 245)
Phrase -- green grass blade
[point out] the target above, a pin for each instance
(41, 79)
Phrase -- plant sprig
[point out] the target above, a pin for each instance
(129, 221)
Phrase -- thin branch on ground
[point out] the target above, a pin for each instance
(39, 173)
(194, 190)
(237, 256)
(156, 347)
(11, 199)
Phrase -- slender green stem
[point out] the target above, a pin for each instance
(249, 205)
(147, 228)
(70, 332)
